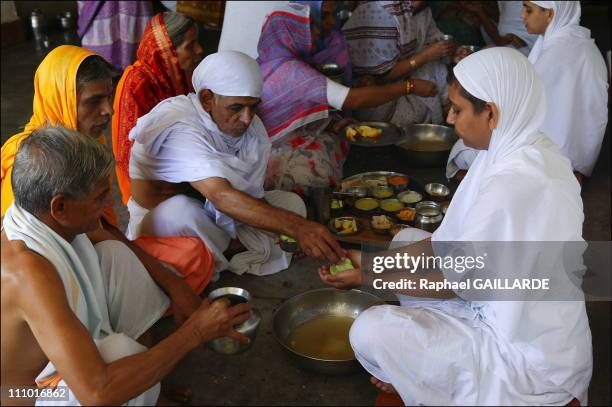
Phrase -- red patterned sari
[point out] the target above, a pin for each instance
(156, 75)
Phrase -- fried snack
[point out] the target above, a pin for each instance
(369, 132)
(363, 131)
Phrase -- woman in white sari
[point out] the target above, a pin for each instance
(574, 74)
(463, 351)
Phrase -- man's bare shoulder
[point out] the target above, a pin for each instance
(22, 268)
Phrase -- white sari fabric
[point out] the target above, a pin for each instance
(100, 282)
(178, 141)
(574, 75)
(459, 352)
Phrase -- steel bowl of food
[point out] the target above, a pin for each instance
(313, 328)
(427, 145)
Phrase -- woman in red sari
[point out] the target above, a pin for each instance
(167, 55)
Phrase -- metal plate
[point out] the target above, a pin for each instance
(331, 227)
(374, 174)
(390, 136)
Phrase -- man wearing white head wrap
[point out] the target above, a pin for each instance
(210, 146)
(460, 352)
(575, 77)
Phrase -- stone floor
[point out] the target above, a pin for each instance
(263, 376)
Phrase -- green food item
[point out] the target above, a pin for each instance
(340, 267)
(391, 205)
(382, 192)
(337, 204)
(366, 204)
(287, 239)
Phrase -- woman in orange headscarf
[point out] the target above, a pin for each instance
(55, 102)
(167, 55)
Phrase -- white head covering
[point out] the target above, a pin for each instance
(517, 191)
(178, 141)
(565, 22)
(575, 78)
(228, 73)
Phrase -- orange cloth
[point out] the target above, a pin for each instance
(156, 75)
(55, 102)
(187, 255)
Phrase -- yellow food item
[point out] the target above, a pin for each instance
(391, 205)
(351, 133)
(363, 131)
(369, 132)
(366, 204)
(345, 225)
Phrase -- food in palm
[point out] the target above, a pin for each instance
(344, 265)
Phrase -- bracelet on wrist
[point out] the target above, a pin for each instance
(409, 86)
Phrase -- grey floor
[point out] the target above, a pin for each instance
(263, 376)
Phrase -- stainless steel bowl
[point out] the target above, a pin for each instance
(428, 216)
(229, 346)
(334, 72)
(438, 192)
(319, 303)
(427, 145)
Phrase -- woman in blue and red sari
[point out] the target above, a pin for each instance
(297, 100)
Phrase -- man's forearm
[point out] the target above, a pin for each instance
(131, 376)
(257, 213)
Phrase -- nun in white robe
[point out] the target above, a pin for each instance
(575, 78)
(574, 74)
(459, 352)
(178, 141)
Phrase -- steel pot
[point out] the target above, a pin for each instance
(427, 145)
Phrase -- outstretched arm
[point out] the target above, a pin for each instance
(314, 238)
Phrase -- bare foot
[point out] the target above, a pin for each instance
(382, 386)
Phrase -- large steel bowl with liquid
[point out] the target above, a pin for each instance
(319, 303)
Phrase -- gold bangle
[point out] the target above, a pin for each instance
(409, 86)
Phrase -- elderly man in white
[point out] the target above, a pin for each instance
(467, 352)
(573, 71)
(210, 145)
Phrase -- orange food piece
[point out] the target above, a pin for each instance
(397, 180)
(406, 214)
